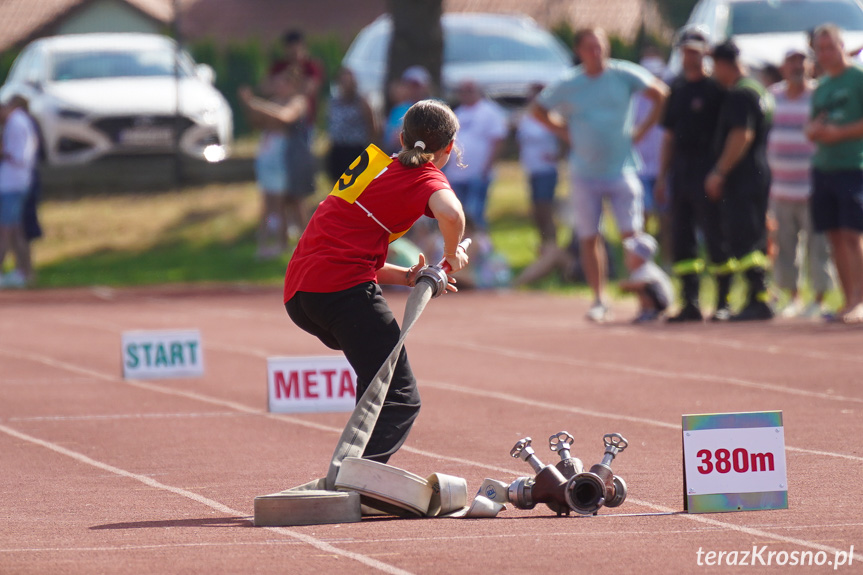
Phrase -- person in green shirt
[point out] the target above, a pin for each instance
(836, 128)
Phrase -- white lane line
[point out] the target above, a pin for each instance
(142, 547)
(642, 371)
(361, 541)
(212, 504)
(464, 461)
(546, 404)
(747, 530)
(535, 356)
(46, 381)
(591, 413)
(694, 339)
(125, 416)
(322, 427)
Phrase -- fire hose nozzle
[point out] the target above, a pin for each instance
(437, 275)
(588, 491)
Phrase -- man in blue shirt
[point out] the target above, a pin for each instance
(594, 113)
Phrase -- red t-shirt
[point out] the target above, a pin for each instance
(343, 246)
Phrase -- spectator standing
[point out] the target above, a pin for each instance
(595, 101)
(414, 85)
(836, 127)
(789, 153)
(539, 153)
(741, 176)
(483, 129)
(649, 148)
(280, 120)
(690, 124)
(296, 55)
(351, 125)
(20, 144)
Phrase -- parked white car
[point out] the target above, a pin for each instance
(504, 54)
(765, 30)
(94, 95)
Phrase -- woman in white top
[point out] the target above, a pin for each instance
(19, 151)
(539, 153)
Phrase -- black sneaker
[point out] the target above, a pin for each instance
(689, 312)
(754, 311)
(721, 314)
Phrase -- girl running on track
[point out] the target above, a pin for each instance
(331, 285)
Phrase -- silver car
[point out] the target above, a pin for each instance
(765, 30)
(94, 95)
(503, 54)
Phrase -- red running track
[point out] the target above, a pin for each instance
(102, 475)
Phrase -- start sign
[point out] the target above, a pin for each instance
(734, 462)
(155, 354)
(311, 384)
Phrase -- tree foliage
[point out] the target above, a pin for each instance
(676, 12)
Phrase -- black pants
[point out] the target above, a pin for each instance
(692, 210)
(359, 322)
(744, 214)
(744, 223)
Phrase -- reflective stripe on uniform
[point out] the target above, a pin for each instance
(729, 266)
(687, 267)
(755, 259)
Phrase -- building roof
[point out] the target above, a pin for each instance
(24, 20)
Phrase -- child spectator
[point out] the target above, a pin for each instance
(645, 277)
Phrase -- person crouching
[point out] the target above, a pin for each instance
(646, 279)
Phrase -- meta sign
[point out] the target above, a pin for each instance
(311, 384)
(159, 354)
(734, 462)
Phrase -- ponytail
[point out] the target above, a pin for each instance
(431, 126)
(416, 156)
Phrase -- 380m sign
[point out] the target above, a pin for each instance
(738, 460)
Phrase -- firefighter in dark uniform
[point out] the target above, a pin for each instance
(740, 178)
(690, 124)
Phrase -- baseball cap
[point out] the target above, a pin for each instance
(796, 52)
(694, 38)
(642, 245)
(727, 51)
(417, 74)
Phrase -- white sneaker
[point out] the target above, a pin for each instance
(599, 313)
(793, 309)
(14, 280)
(812, 311)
